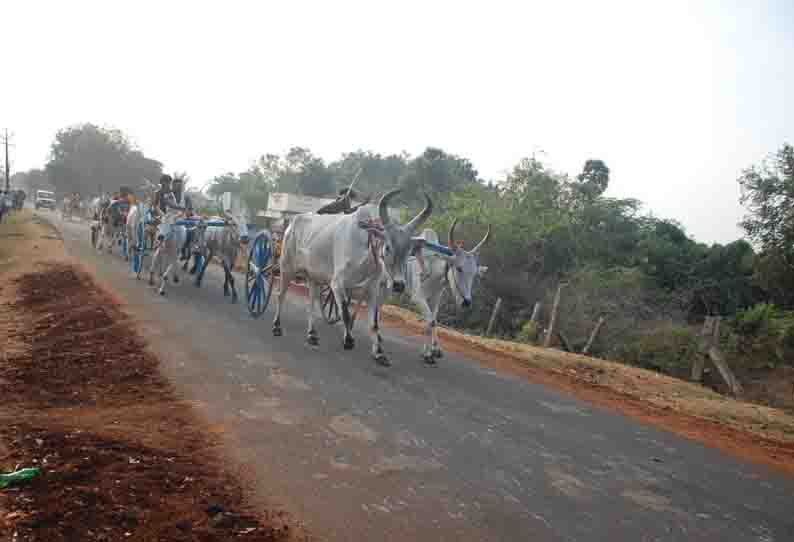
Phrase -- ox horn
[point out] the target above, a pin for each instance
(384, 204)
(451, 236)
(422, 217)
(484, 240)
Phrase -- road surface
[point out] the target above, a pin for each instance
(453, 452)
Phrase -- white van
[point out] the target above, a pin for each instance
(44, 198)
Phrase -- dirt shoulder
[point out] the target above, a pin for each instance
(122, 456)
(745, 430)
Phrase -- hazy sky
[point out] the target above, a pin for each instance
(677, 97)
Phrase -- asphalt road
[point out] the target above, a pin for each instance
(453, 452)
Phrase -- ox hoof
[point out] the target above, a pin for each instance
(349, 343)
(428, 358)
(176, 279)
(162, 293)
(438, 354)
(277, 332)
(312, 340)
(382, 360)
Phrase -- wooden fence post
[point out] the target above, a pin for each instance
(709, 349)
(593, 335)
(553, 320)
(706, 336)
(494, 314)
(535, 313)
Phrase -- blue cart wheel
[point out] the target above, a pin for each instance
(124, 246)
(258, 277)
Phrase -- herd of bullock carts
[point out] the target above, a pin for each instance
(347, 261)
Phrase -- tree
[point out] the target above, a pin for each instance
(308, 173)
(31, 180)
(768, 195)
(86, 157)
(594, 178)
(437, 173)
(252, 186)
(378, 173)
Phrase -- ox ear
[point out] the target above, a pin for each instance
(482, 270)
(418, 243)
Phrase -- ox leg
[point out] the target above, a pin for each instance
(286, 279)
(157, 259)
(429, 329)
(100, 237)
(373, 308)
(170, 263)
(312, 302)
(435, 303)
(227, 270)
(175, 268)
(347, 318)
(226, 292)
(194, 269)
(164, 278)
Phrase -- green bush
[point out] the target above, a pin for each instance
(762, 336)
(666, 348)
(755, 320)
(529, 332)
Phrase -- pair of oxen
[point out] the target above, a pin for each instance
(219, 235)
(367, 252)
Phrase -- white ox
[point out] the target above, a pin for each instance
(429, 276)
(338, 250)
(170, 239)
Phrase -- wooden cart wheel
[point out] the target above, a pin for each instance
(259, 275)
(329, 305)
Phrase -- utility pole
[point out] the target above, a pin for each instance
(8, 164)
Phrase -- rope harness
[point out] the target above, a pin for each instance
(375, 232)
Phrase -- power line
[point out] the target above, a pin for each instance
(6, 141)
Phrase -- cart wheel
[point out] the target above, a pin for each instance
(329, 305)
(258, 276)
(94, 235)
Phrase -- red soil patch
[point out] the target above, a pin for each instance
(122, 457)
